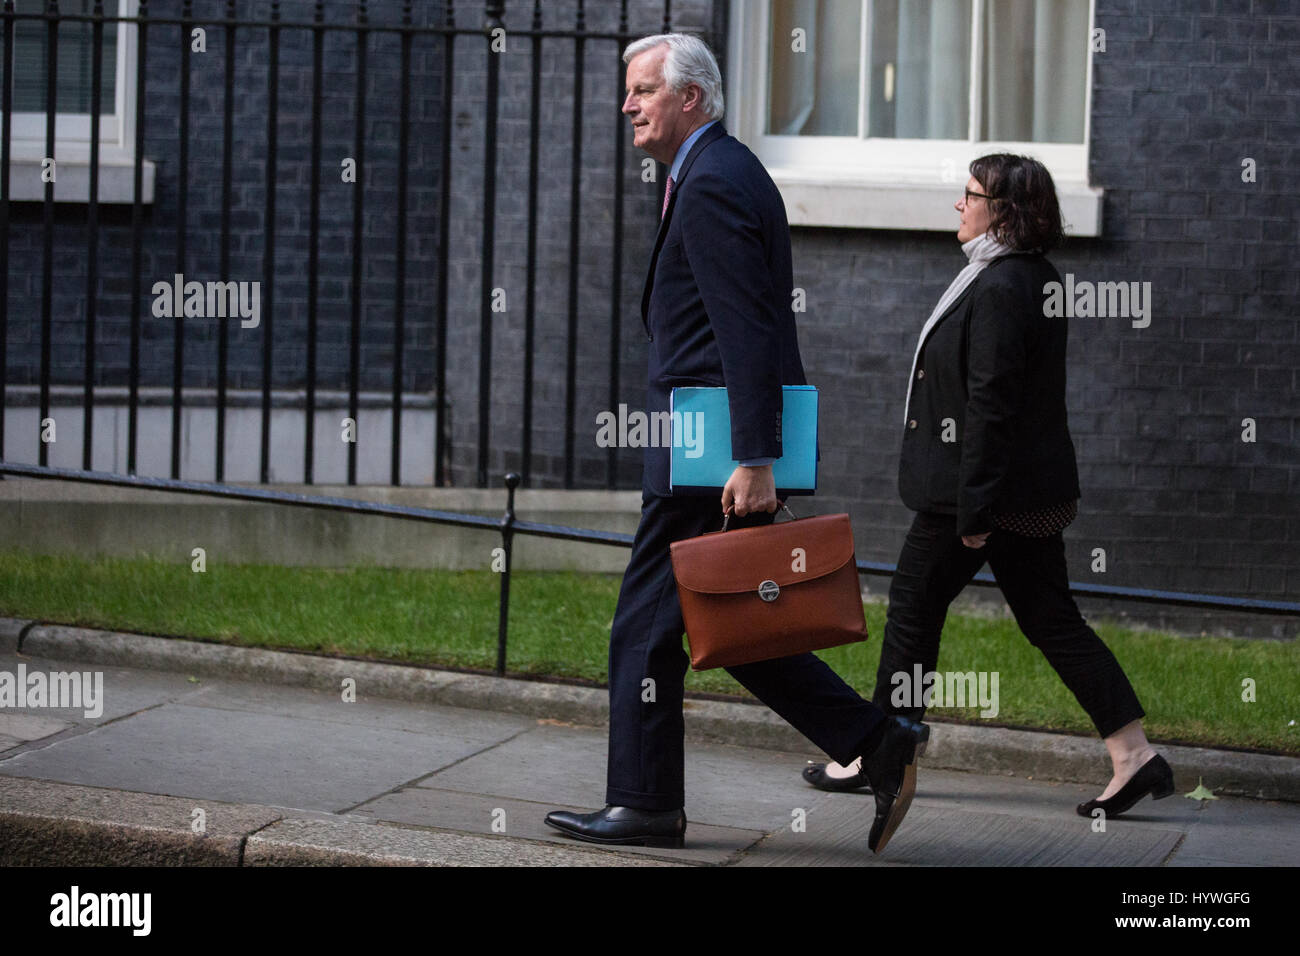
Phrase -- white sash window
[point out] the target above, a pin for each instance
(868, 112)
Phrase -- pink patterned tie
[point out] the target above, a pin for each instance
(667, 195)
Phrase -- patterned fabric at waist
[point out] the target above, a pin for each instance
(1041, 523)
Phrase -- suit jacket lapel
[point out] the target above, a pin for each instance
(714, 132)
(930, 325)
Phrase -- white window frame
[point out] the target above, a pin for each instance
(72, 140)
(883, 182)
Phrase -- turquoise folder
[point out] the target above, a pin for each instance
(701, 460)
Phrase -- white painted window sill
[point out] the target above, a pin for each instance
(72, 174)
(819, 199)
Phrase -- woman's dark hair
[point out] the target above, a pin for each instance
(1024, 213)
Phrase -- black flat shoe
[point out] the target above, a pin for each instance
(624, 826)
(815, 774)
(891, 770)
(1154, 777)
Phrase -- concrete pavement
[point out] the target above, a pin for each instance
(205, 754)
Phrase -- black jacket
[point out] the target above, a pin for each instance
(995, 366)
(716, 303)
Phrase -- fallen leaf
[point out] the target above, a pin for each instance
(1201, 793)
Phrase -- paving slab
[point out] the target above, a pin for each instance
(1230, 830)
(726, 786)
(256, 757)
(1235, 832)
(23, 727)
(837, 833)
(318, 843)
(477, 813)
(483, 727)
(126, 690)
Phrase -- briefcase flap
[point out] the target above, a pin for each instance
(732, 562)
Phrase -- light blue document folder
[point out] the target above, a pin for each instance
(701, 458)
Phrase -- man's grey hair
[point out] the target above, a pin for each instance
(689, 60)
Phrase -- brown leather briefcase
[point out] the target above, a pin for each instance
(759, 593)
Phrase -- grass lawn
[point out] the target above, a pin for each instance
(1191, 688)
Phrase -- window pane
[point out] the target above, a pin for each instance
(920, 69)
(814, 74)
(1035, 67)
(73, 85)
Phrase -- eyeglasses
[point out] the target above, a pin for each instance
(977, 195)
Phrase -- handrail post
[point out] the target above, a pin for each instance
(507, 536)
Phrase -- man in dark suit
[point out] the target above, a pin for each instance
(717, 312)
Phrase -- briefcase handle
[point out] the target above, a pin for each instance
(726, 515)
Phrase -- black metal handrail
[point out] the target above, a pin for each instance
(509, 525)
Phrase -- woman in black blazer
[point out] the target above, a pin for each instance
(988, 466)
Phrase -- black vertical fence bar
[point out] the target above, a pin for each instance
(493, 12)
(660, 168)
(616, 277)
(6, 132)
(507, 546)
(313, 242)
(441, 432)
(92, 237)
(268, 250)
(227, 154)
(358, 210)
(399, 280)
(137, 237)
(575, 210)
(47, 252)
(530, 280)
(182, 203)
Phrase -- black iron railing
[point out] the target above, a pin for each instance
(509, 525)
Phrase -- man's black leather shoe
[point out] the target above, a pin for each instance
(626, 826)
(815, 773)
(891, 770)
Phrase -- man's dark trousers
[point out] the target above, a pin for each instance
(646, 728)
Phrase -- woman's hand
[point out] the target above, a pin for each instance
(975, 540)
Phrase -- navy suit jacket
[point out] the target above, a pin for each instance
(717, 299)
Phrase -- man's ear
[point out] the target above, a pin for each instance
(694, 97)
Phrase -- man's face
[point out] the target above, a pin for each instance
(661, 119)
